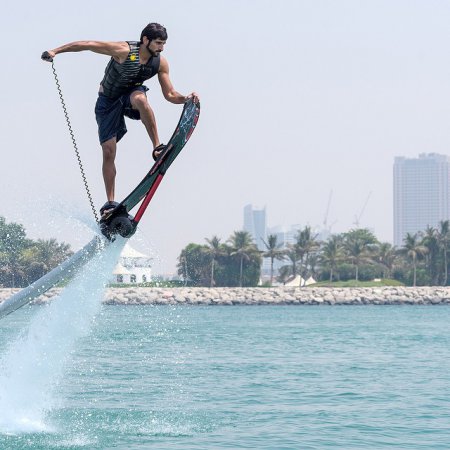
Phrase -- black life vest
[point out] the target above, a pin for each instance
(120, 78)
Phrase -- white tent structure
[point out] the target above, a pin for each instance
(298, 281)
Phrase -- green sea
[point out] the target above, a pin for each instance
(78, 375)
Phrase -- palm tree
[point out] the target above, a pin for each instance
(300, 248)
(242, 247)
(292, 254)
(332, 253)
(306, 244)
(283, 274)
(386, 256)
(51, 253)
(443, 238)
(431, 242)
(43, 256)
(313, 260)
(413, 249)
(359, 245)
(13, 242)
(273, 252)
(215, 249)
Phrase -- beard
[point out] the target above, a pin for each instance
(152, 52)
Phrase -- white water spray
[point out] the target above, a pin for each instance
(33, 364)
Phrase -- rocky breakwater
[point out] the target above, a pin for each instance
(265, 296)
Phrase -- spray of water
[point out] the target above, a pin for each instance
(34, 363)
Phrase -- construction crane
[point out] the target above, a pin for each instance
(358, 216)
(325, 219)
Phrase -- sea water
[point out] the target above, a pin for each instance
(32, 363)
(218, 377)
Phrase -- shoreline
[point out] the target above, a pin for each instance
(398, 295)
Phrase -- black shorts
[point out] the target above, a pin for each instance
(110, 114)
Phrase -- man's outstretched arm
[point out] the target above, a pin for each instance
(118, 50)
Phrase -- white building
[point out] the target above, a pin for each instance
(286, 235)
(421, 193)
(132, 267)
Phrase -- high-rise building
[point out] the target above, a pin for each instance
(286, 236)
(255, 224)
(421, 193)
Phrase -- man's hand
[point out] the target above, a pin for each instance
(194, 96)
(48, 55)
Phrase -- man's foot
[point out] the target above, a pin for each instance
(158, 150)
(107, 208)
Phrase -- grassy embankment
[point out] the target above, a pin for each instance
(353, 283)
(337, 284)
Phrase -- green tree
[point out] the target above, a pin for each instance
(13, 242)
(359, 246)
(215, 249)
(386, 256)
(243, 248)
(23, 260)
(284, 274)
(43, 256)
(431, 242)
(273, 251)
(293, 255)
(238, 264)
(332, 254)
(194, 265)
(306, 244)
(413, 250)
(443, 239)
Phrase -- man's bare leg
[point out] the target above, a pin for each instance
(139, 101)
(109, 167)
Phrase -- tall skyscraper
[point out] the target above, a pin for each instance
(255, 224)
(421, 193)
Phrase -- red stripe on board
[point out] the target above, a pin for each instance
(147, 199)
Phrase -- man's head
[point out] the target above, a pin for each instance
(154, 36)
(154, 31)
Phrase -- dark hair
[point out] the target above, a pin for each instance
(154, 31)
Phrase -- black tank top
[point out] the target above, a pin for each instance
(120, 78)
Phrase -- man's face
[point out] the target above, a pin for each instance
(155, 46)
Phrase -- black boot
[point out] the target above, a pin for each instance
(157, 151)
(107, 207)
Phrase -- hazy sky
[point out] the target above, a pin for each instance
(298, 98)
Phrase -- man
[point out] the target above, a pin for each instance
(122, 92)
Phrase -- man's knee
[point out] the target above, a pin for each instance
(139, 101)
